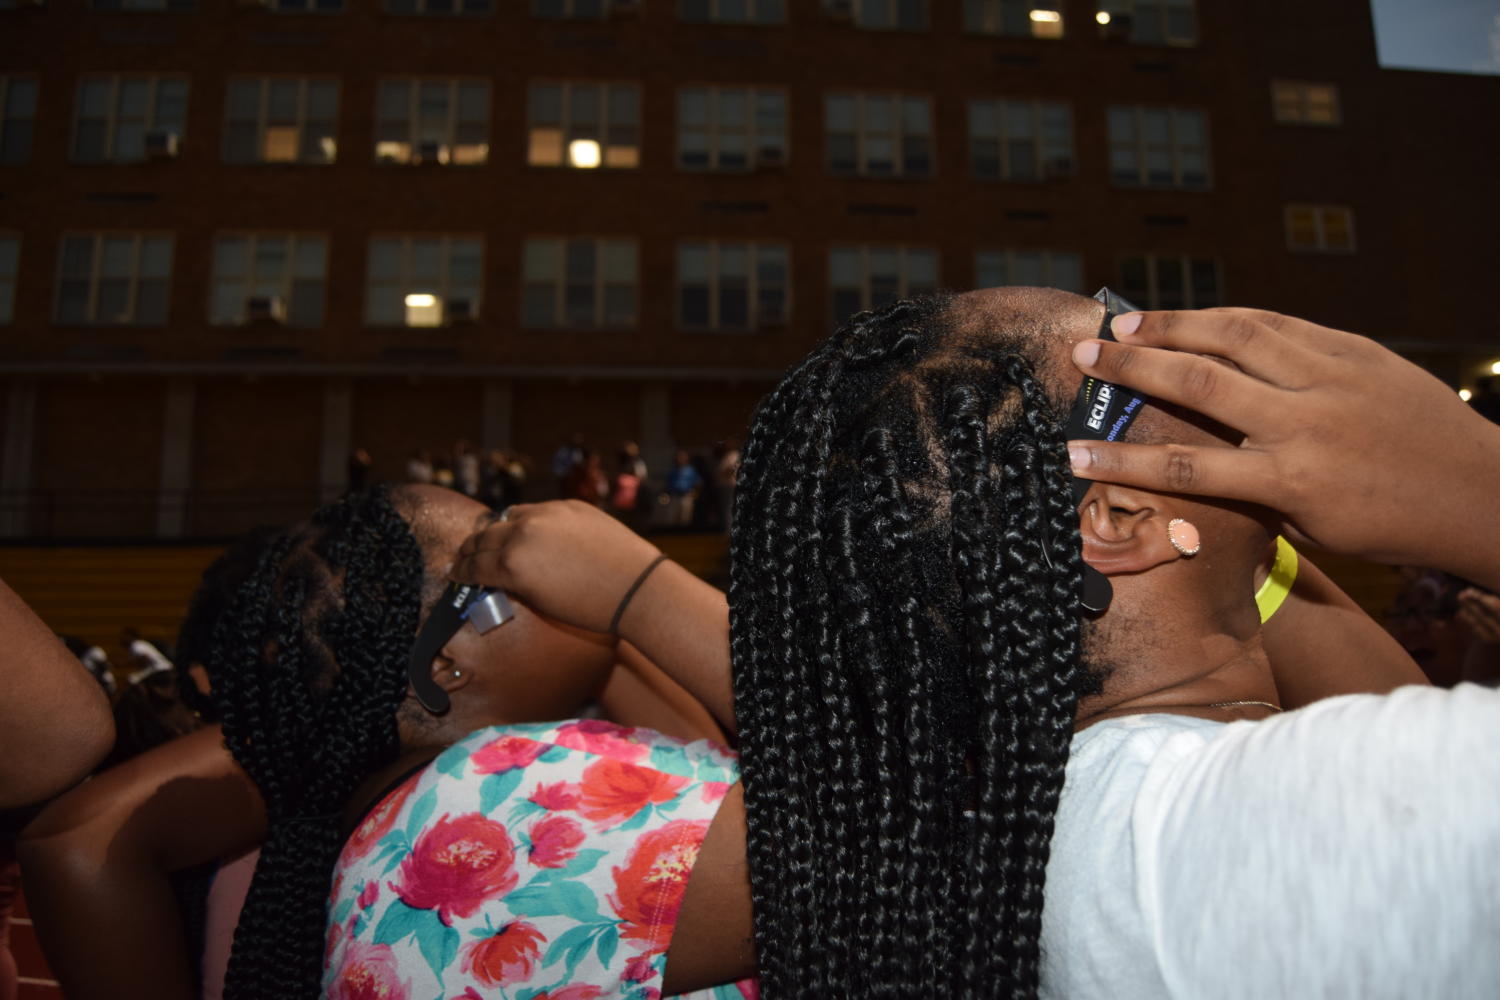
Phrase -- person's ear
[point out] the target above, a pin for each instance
(450, 674)
(1124, 530)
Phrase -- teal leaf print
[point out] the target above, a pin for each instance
(637, 821)
(439, 944)
(554, 754)
(524, 810)
(609, 940)
(341, 912)
(452, 760)
(568, 942)
(710, 771)
(400, 922)
(420, 813)
(497, 788)
(673, 760)
(552, 899)
(583, 862)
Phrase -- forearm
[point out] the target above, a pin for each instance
(640, 693)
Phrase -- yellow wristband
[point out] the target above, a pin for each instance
(1279, 581)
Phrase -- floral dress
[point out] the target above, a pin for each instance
(531, 862)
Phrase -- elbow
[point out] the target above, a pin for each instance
(60, 760)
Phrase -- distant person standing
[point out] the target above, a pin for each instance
(466, 469)
(419, 467)
(567, 455)
(683, 485)
(630, 476)
(587, 481)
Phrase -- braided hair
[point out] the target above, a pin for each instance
(308, 670)
(906, 650)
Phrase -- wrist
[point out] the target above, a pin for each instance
(631, 592)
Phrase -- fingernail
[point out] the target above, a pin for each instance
(1127, 324)
(1085, 353)
(1080, 456)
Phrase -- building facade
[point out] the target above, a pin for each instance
(240, 238)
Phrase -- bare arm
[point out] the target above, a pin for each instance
(640, 693)
(55, 723)
(96, 864)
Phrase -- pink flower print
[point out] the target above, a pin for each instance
(379, 822)
(578, 991)
(639, 969)
(507, 957)
(369, 894)
(556, 797)
(554, 841)
(505, 754)
(456, 865)
(713, 791)
(604, 739)
(649, 993)
(468, 994)
(649, 889)
(749, 988)
(369, 972)
(613, 791)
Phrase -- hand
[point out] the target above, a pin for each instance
(566, 559)
(1481, 612)
(1362, 452)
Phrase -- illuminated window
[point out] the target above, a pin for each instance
(1158, 147)
(881, 15)
(114, 279)
(423, 280)
(733, 11)
(1020, 140)
(730, 128)
(1154, 281)
(281, 120)
(584, 125)
(582, 10)
(276, 277)
(1296, 102)
(124, 119)
(17, 117)
(879, 135)
(579, 284)
(867, 277)
(431, 121)
(731, 286)
(1023, 18)
(1320, 228)
(1150, 22)
(10, 260)
(437, 7)
(1037, 268)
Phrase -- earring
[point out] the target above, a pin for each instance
(1183, 536)
(457, 674)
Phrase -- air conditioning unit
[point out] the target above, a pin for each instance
(162, 145)
(839, 10)
(460, 312)
(265, 309)
(432, 152)
(773, 158)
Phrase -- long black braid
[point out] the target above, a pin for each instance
(308, 670)
(906, 650)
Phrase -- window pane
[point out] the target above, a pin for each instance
(151, 302)
(118, 257)
(311, 258)
(921, 266)
(385, 259)
(692, 263)
(619, 262)
(540, 261)
(77, 256)
(843, 267)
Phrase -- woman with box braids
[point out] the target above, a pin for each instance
(308, 671)
(906, 647)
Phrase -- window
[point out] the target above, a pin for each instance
(1158, 147)
(1151, 22)
(276, 277)
(282, 120)
(731, 286)
(141, 4)
(582, 284)
(114, 279)
(10, 259)
(585, 10)
(1038, 268)
(730, 128)
(1298, 103)
(733, 11)
(124, 119)
(307, 6)
(1020, 140)
(1321, 228)
(881, 15)
(584, 125)
(1166, 282)
(1023, 18)
(433, 121)
(437, 7)
(17, 117)
(423, 280)
(879, 135)
(867, 277)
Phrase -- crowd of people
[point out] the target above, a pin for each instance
(1025, 684)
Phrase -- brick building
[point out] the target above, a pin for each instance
(240, 237)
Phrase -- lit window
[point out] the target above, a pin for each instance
(731, 286)
(269, 277)
(124, 119)
(1299, 103)
(114, 279)
(879, 135)
(1158, 147)
(1320, 228)
(10, 260)
(17, 117)
(1167, 282)
(733, 11)
(431, 121)
(579, 284)
(282, 120)
(582, 10)
(867, 277)
(881, 15)
(1150, 22)
(423, 280)
(584, 125)
(437, 7)
(1022, 18)
(1020, 140)
(1037, 268)
(730, 128)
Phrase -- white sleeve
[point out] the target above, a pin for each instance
(1348, 849)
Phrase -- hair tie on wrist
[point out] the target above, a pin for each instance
(1279, 581)
(614, 623)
